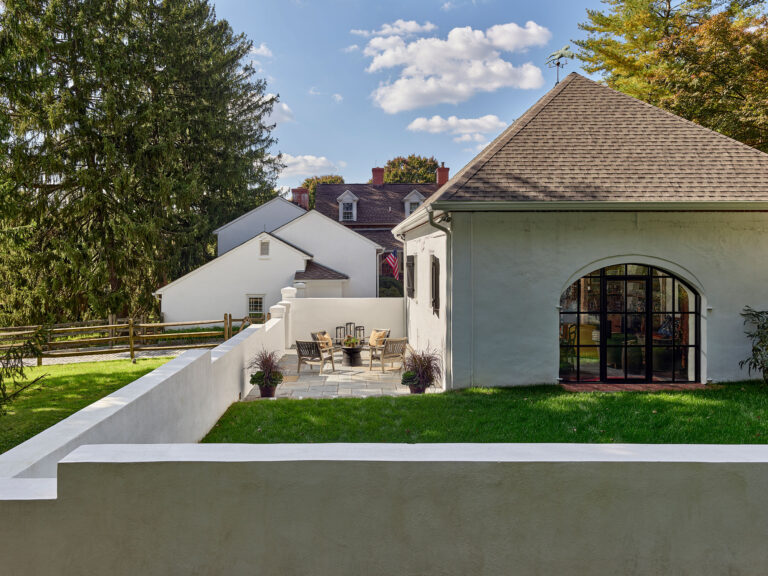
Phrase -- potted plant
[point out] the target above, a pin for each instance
(268, 376)
(350, 342)
(422, 370)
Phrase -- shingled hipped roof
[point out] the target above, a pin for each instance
(586, 142)
(379, 205)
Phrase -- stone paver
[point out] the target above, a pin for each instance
(343, 382)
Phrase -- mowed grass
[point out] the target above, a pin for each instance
(735, 413)
(66, 389)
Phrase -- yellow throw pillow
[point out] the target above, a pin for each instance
(377, 337)
(326, 339)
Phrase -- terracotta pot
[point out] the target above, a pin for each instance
(267, 391)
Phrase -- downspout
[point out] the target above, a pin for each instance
(448, 297)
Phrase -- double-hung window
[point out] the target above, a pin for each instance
(256, 307)
(410, 275)
(348, 211)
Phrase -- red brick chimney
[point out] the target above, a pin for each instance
(300, 197)
(377, 176)
(442, 174)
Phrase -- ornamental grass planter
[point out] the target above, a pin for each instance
(267, 391)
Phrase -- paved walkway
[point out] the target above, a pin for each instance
(344, 382)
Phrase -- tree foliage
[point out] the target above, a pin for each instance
(413, 169)
(312, 182)
(13, 380)
(757, 323)
(704, 60)
(130, 129)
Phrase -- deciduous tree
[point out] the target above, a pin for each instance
(312, 182)
(413, 169)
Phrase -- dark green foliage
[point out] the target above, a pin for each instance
(129, 130)
(426, 366)
(736, 413)
(13, 377)
(757, 321)
(311, 184)
(268, 365)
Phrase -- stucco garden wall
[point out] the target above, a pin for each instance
(178, 402)
(382, 509)
(509, 270)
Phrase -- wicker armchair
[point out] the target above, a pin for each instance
(310, 352)
(394, 349)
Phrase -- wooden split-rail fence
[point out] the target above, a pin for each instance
(116, 336)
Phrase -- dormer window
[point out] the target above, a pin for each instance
(347, 207)
(412, 201)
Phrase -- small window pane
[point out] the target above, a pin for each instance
(662, 294)
(685, 362)
(568, 333)
(589, 329)
(635, 328)
(347, 211)
(255, 306)
(662, 364)
(685, 328)
(569, 298)
(568, 363)
(637, 270)
(615, 329)
(635, 359)
(614, 361)
(614, 290)
(618, 270)
(662, 329)
(685, 301)
(589, 364)
(636, 296)
(590, 294)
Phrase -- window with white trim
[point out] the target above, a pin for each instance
(348, 211)
(412, 207)
(256, 306)
(264, 248)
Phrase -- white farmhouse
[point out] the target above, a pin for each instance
(276, 245)
(597, 239)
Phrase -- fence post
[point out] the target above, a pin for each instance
(226, 326)
(130, 340)
(230, 325)
(112, 319)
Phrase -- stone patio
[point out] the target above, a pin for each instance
(344, 382)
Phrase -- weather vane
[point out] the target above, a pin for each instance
(558, 59)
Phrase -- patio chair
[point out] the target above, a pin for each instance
(310, 352)
(393, 349)
(377, 337)
(325, 340)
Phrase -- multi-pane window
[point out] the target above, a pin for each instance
(629, 322)
(347, 211)
(256, 307)
(435, 267)
(410, 275)
(264, 248)
(412, 206)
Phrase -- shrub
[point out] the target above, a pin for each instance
(268, 365)
(426, 367)
(757, 320)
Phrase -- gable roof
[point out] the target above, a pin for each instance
(276, 199)
(315, 271)
(335, 222)
(585, 142)
(376, 204)
(304, 254)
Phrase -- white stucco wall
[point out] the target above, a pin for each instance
(178, 402)
(382, 509)
(265, 218)
(324, 288)
(336, 247)
(509, 270)
(222, 286)
(425, 329)
(309, 315)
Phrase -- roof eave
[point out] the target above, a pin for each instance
(594, 206)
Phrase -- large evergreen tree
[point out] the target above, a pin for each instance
(130, 130)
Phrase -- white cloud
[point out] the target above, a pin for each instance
(262, 50)
(447, 6)
(351, 48)
(306, 165)
(455, 125)
(338, 98)
(399, 27)
(314, 91)
(281, 112)
(476, 137)
(468, 61)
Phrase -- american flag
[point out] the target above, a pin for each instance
(392, 261)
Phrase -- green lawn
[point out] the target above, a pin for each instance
(66, 389)
(730, 414)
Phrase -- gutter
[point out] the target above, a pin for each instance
(598, 206)
(448, 296)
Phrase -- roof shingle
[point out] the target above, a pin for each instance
(381, 205)
(315, 271)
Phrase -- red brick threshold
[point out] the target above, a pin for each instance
(649, 387)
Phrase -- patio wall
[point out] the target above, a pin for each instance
(396, 509)
(178, 402)
(307, 315)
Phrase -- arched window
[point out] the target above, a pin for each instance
(629, 323)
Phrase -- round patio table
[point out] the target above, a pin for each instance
(351, 356)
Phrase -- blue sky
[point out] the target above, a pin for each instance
(361, 81)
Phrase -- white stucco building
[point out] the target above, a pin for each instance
(597, 239)
(309, 250)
